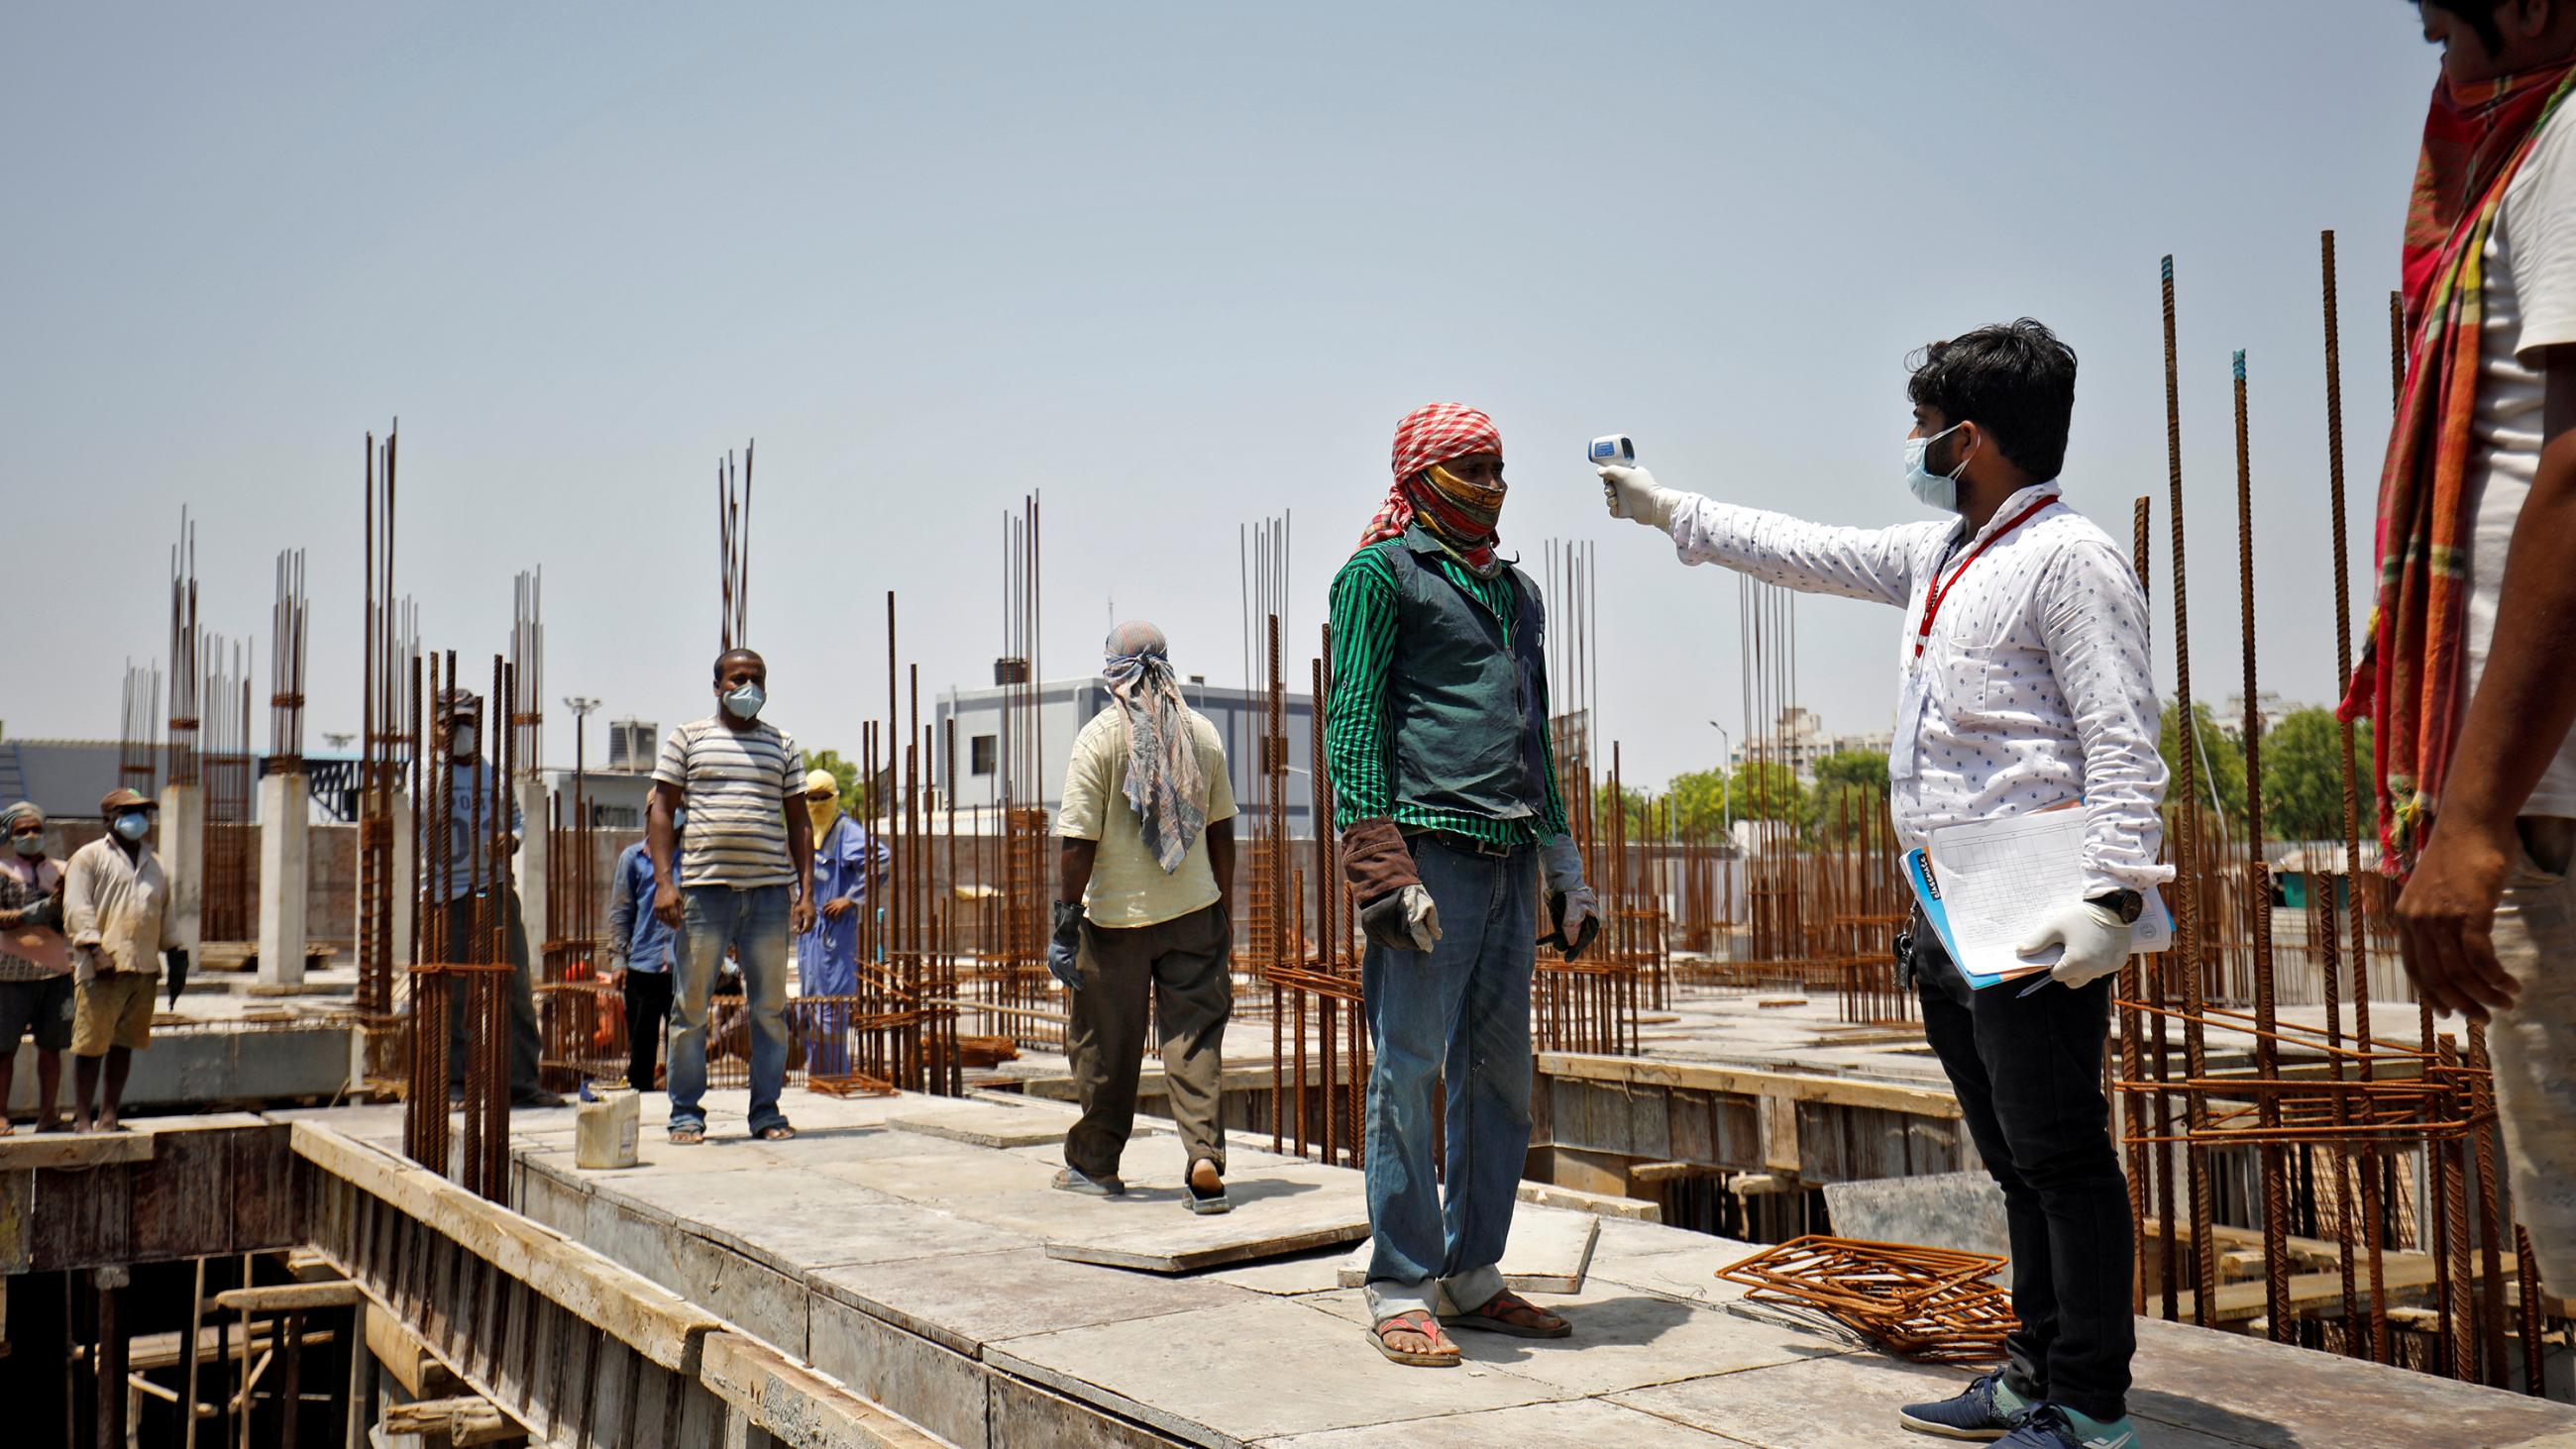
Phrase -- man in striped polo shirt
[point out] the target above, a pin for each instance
(1446, 796)
(743, 880)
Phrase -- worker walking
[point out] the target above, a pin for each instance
(117, 911)
(35, 966)
(2024, 684)
(474, 888)
(1144, 910)
(848, 864)
(741, 880)
(640, 952)
(2464, 676)
(1450, 817)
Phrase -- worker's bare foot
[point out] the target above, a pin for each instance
(107, 1122)
(80, 1122)
(1415, 1340)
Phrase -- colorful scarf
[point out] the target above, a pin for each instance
(1461, 515)
(2408, 680)
(1165, 786)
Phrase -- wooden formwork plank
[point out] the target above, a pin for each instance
(1752, 1082)
(801, 1407)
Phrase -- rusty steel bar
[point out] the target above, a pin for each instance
(2258, 904)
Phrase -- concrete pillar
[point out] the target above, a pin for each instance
(530, 869)
(285, 828)
(180, 841)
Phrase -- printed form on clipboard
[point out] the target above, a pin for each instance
(1986, 885)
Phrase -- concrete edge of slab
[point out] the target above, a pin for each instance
(1189, 1260)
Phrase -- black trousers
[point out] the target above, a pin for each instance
(2028, 1071)
(648, 1015)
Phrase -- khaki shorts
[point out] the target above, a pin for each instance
(113, 1010)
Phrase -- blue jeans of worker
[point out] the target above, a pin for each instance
(1460, 1014)
(754, 923)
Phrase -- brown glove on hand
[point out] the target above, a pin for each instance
(1375, 860)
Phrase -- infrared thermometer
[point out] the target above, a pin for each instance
(1614, 451)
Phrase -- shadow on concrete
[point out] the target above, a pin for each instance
(2204, 1417)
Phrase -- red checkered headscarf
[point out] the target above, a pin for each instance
(1430, 434)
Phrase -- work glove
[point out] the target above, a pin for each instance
(175, 962)
(1632, 494)
(1406, 920)
(1064, 948)
(1572, 909)
(2095, 938)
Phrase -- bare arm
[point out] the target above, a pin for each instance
(1073, 860)
(800, 849)
(2524, 703)
(1220, 844)
(661, 842)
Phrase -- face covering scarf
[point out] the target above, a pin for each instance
(1429, 436)
(1165, 786)
(2408, 681)
(822, 812)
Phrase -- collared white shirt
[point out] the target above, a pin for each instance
(2034, 686)
(120, 906)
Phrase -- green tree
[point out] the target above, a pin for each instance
(1632, 802)
(1768, 790)
(2303, 776)
(1699, 802)
(2218, 770)
(1851, 787)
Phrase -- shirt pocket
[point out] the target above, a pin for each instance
(1966, 674)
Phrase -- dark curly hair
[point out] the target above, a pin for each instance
(2480, 15)
(2015, 380)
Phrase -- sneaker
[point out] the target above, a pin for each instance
(2052, 1427)
(1069, 1179)
(1984, 1410)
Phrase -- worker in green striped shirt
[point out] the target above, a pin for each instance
(1446, 798)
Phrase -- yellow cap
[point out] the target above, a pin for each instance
(822, 782)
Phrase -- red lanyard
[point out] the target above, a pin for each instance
(1941, 588)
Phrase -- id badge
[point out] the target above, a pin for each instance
(1909, 722)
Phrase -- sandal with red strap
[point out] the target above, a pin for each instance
(1509, 1313)
(1442, 1353)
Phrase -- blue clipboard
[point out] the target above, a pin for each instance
(1927, 894)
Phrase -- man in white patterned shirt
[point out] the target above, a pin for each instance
(741, 878)
(2024, 682)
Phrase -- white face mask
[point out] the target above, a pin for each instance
(462, 740)
(1934, 490)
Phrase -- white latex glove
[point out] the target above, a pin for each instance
(1421, 917)
(1561, 862)
(1631, 493)
(2095, 938)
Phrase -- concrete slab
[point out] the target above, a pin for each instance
(1215, 1376)
(988, 1124)
(1317, 1270)
(937, 1174)
(1663, 1260)
(1278, 1210)
(2248, 1389)
(1848, 1401)
(1962, 1210)
(1623, 1339)
(1576, 1424)
(964, 1301)
(1548, 1251)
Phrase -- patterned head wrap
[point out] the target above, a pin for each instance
(1165, 786)
(11, 814)
(1460, 514)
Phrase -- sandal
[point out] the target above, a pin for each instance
(1509, 1313)
(1442, 1354)
(776, 1132)
(687, 1134)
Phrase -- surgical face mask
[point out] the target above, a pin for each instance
(132, 824)
(462, 740)
(29, 846)
(1935, 490)
(744, 703)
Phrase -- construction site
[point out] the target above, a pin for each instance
(1748, 1186)
(423, 1128)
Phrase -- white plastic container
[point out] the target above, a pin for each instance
(604, 1131)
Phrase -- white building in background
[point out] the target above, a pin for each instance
(1064, 706)
(1798, 739)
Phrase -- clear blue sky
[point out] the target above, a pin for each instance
(1178, 266)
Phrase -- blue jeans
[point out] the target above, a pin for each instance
(754, 923)
(1460, 1011)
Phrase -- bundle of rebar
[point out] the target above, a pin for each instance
(1933, 1304)
(389, 721)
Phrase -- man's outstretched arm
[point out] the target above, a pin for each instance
(2517, 718)
(1813, 558)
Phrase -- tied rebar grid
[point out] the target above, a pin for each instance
(389, 722)
(471, 963)
(581, 1020)
(228, 904)
(286, 630)
(1932, 1304)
